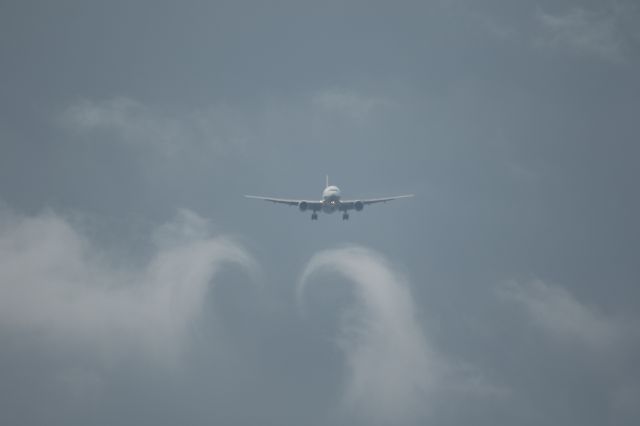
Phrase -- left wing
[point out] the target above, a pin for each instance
(358, 204)
(275, 200)
(302, 204)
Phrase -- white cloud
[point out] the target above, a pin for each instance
(583, 32)
(396, 375)
(392, 367)
(556, 311)
(57, 284)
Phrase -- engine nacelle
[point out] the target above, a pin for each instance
(358, 205)
(303, 205)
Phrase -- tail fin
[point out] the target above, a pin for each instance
(327, 181)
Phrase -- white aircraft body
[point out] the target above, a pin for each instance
(330, 202)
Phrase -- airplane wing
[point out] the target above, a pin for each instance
(358, 204)
(311, 205)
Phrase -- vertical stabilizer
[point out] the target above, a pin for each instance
(327, 181)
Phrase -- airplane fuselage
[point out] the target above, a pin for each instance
(330, 199)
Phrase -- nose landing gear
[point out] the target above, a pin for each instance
(314, 216)
(345, 216)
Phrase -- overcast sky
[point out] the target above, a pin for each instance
(138, 286)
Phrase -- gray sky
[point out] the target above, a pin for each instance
(137, 286)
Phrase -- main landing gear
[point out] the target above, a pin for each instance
(345, 216)
(314, 216)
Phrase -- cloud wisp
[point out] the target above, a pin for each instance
(609, 342)
(217, 128)
(56, 284)
(559, 313)
(348, 103)
(583, 32)
(392, 367)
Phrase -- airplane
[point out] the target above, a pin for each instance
(330, 202)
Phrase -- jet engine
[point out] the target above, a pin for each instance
(303, 205)
(358, 205)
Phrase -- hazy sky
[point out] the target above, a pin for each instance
(138, 286)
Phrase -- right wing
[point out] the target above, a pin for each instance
(311, 205)
(353, 204)
(384, 200)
